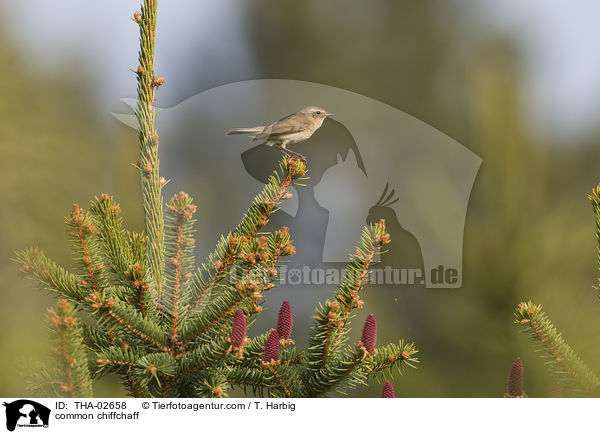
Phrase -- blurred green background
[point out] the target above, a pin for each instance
(512, 81)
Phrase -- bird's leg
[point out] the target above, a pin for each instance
(285, 152)
(302, 157)
(290, 153)
(282, 149)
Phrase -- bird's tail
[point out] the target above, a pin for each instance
(234, 131)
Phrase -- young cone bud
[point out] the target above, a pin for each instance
(388, 391)
(285, 321)
(272, 347)
(369, 333)
(238, 332)
(514, 384)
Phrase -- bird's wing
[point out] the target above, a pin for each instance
(289, 124)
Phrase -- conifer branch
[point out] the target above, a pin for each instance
(595, 200)
(71, 351)
(393, 355)
(117, 359)
(86, 252)
(214, 386)
(556, 391)
(115, 362)
(286, 389)
(220, 309)
(372, 240)
(347, 369)
(167, 331)
(154, 373)
(65, 284)
(52, 276)
(126, 253)
(134, 387)
(247, 282)
(204, 357)
(222, 259)
(254, 349)
(256, 378)
(179, 256)
(148, 138)
(45, 382)
(110, 231)
(292, 356)
(129, 319)
(330, 321)
(95, 338)
(563, 360)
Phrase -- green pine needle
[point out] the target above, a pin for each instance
(562, 360)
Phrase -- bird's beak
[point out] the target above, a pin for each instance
(328, 114)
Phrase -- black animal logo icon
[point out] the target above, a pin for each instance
(26, 412)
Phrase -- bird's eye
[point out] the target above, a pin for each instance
(318, 112)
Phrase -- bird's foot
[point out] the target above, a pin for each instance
(291, 154)
(296, 155)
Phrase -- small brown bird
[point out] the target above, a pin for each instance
(290, 130)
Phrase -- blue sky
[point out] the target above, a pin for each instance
(560, 40)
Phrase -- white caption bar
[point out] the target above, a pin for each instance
(159, 415)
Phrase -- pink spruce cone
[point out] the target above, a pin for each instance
(514, 384)
(388, 391)
(556, 391)
(272, 347)
(238, 332)
(369, 333)
(285, 321)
